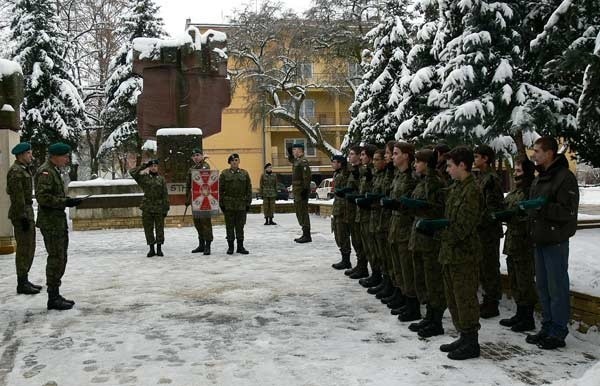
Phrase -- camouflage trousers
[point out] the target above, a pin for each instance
(341, 232)
(521, 274)
(301, 208)
(429, 283)
(460, 286)
(25, 247)
(402, 263)
(489, 266)
(57, 244)
(268, 206)
(357, 244)
(152, 222)
(235, 220)
(385, 252)
(204, 228)
(368, 243)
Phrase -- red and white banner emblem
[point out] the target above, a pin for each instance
(205, 193)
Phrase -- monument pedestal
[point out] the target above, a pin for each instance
(8, 139)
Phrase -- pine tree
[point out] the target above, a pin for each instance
(52, 109)
(123, 86)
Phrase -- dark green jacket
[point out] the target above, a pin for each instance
(156, 196)
(460, 241)
(353, 182)
(235, 190)
(401, 223)
(301, 175)
(492, 198)
(382, 185)
(432, 189)
(340, 204)
(517, 238)
(268, 185)
(51, 198)
(188, 182)
(556, 221)
(365, 186)
(19, 187)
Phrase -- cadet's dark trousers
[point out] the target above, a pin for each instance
(489, 266)
(57, 243)
(460, 286)
(25, 247)
(552, 281)
(204, 228)
(367, 242)
(234, 224)
(407, 267)
(384, 250)
(269, 206)
(357, 244)
(521, 275)
(418, 261)
(301, 207)
(430, 270)
(151, 222)
(341, 232)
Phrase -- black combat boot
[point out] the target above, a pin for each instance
(415, 327)
(207, 247)
(350, 271)
(375, 289)
(372, 280)
(397, 299)
(24, 288)
(230, 247)
(159, 251)
(489, 308)
(305, 238)
(345, 263)
(469, 348)
(526, 322)
(434, 327)
(271, 222)
(240, 248)
(267, 222)
(200, 247)
(360, 271)
(509, 322)
(412, 310)
(386, 291)
(537, 337)
(57, 302)
(448, 347)
(151, 252)
(36, 286)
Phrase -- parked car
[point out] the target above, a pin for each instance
(325, 189)
(282, 192)
(312, 194)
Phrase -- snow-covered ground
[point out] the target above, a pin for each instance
(279, 316)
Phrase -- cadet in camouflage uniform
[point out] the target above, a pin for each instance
(235, 197)
(268, 193)
(460, 252)
(301, 175)
(363, 215)
(52, 220)
(427, 202)
(400, 230)
(490, 231)
(203, 225)
(518, 248)
(339, 221)
(19, 187)
(155, 204)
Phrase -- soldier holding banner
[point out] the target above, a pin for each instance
(202, 219)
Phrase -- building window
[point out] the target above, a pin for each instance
(355, 73)
(305, 70)
(307, 109)
(309, 149)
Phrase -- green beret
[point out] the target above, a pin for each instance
(21, 148)
(196, 150)
(299, 145)
(59, 148)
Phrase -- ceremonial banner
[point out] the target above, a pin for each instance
(205, 193)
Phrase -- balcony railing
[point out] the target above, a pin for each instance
(312, 161)
(323, 118)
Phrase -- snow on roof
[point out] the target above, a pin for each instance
(8, 67)
(149, 48)
(179, 131)
(150, 145)
(101, 182)
(215, 36)
(8, 108)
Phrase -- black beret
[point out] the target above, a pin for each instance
(59, 148)
(153, 162)
(232, 156)
(339, 158)
(268, 164)
(21, 148)
(298, 145)
(196, 150)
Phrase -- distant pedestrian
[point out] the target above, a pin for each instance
(268, 193)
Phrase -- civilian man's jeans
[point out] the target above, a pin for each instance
(552, 282)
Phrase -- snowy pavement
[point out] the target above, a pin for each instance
(279, 316)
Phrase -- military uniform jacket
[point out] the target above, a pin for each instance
(492, 201)
(380, 218)
(300, 176)
(353, 182)
(51, 198)
(235, 189)
(460, 241)
(268, 185)
(19, 186)
(517, 238)
(188, 182)
(430, 188)
(156, 197)
(340, 204)
(401, 223)
(365, 186)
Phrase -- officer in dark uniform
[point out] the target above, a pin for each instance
(203, 225)
(52, 220)
(19, 187)
(301, 188)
